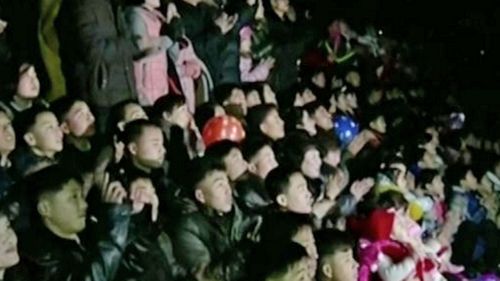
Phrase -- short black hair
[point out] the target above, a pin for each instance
(167, 104)
(278, 180)
(326, 142)
(313, 106)
(331, 241)
(391, 199)
(253, 145)
(218, 151)
(50, 180)
(278, 259)
(204, 113)
(456, 173)
(63, 105)
(294, 148)
(426, 176)
(293, 118)
(26, 119)
(256, 115)
(199, 168)
(133, 130)
(282, 227)
(118, 114)
(224, 92)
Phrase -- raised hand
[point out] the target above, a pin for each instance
(113, 192)
(143, 193)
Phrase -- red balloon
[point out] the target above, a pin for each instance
(223, 128)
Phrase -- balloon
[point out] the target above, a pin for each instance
(223, 128)
(346, 129)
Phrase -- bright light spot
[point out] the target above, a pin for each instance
(380, 32)
(482, 52)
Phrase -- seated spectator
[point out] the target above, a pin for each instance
(289, 192)
(320, 115)
(232, 98)
(229, 155)
(336, 259)
(8, 246)
(288, 262)
(27, 92)
(79, 127)
(252, 194)
(264, 120)
(54, 249)
(184, 138)
(252, 94)
(248, 71)
(7, 145)
(43, 140)
(215, 238)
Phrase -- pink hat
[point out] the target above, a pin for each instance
(246, 33)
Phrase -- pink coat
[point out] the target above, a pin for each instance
(253, 74)
(150, 71)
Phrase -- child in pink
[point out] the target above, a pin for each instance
(249, 73)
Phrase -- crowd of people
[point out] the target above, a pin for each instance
(238, 140)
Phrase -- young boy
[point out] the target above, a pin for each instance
(79, 126)
(232, 98)
(264, 120)
(53, 248)
(336, 259)
(43, 139)
(7, 145)
(215, 236)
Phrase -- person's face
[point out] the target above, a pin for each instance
(134, 112)
(354, 79)
(215, 192)
(342, 102)
(341, 266)
(238, 98)
(379, 125)
(333, 105)
(297, 198)
(352, 100)
(45, 135)
(235, 164)
(375, 96)
(148, 150)
(281, 5)
(332, 158)
(323, 118)
(79, 121)
(7, 135)
(435, 136)
(263, 162)
(305, 238)
(299, 271)
(65, 210)
(28, 86)
(436, 186)
(253, 99)
(180, 116)
(319, 80)
(269, 95)
(311, 165)
(273, 126)
(470, 181)
(8, 244)
(308, 96)
(308, 123)
(152, 3)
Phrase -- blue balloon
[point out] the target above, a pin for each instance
(346, 129)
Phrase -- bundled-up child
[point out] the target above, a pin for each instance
(248, 71)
